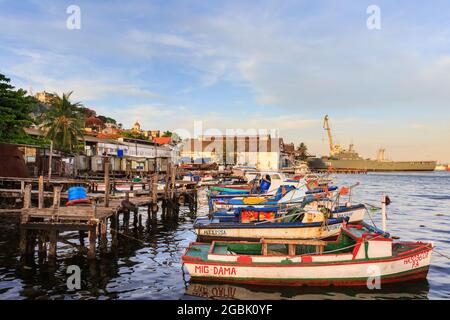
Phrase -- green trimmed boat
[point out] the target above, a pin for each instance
(361, 255)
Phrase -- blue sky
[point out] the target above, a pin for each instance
(247, 64)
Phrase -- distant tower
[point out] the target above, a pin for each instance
(136, 127)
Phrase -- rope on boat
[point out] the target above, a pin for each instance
(370, 216)
(340, 249)
(371, 206)
(441, 254)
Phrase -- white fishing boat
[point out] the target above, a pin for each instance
(253, 224)
(292, 196)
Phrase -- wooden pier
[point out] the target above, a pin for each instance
(42, 225)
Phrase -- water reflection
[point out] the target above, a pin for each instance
(204, 290)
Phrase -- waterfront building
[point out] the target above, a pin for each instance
(263, 152)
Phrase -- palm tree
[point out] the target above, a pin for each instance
(302, 151)
(64, 122)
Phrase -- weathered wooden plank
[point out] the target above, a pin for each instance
(53, 241)
(41, 192)
(56, 196)
(154, 196)
(297, 242)
(107, 186)
(66, 226)
(92, 241)
(23, 240)
(27, 197)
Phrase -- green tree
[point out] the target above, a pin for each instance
(15, 109)
(167, 134)
(64, 122)
(107, 119)
(133, 135)
(302, 151)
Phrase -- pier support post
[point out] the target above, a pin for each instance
(53, 239)
(56, 196)
(173, 172)
(154, 204)
(41, 192)
(23, 241)
(135, 218)
(81, 235)
(103, 238)
(24, 219)
(31, 242)
(107, 184)
(42, 245)
(92, 241)
(164, 208)
(114, 229)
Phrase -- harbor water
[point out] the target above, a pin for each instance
(147, 263)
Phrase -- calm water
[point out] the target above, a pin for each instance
(147, 263)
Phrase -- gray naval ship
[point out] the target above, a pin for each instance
(343, 159)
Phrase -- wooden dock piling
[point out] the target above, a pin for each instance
(107, 184)
(41, 192)
(44, 218)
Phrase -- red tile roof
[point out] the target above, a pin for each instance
(163, 140)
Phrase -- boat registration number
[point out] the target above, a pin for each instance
(415, 260)
(331, 227)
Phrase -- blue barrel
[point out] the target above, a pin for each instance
(265, 185)
(77, 193)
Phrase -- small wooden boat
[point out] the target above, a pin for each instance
(253, 224)
(359, 256)
(285, 196)
(355, 213)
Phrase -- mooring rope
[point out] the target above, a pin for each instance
(125, 235)
(441, 254)
(370, 216)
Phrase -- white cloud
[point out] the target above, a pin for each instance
(53, 72)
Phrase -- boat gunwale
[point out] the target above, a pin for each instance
(407, 275)
(278, 225)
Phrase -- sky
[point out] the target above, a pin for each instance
(257, 65)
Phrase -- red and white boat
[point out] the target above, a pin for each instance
(361, 256)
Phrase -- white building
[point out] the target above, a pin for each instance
(262, 152)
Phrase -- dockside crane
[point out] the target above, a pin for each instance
(334, 148)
